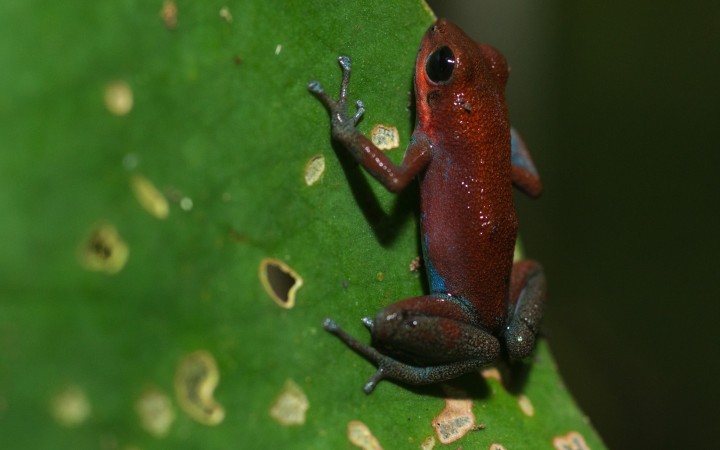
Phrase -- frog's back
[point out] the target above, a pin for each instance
(469, 224)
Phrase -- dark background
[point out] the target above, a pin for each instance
(620, 105)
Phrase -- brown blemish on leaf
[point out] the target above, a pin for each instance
(168, 14)
(571, 441)
(314, 169)
(359, 435)
(196, 378)
(280, 281)
(385, 137)
(428, 443)
(456, 419)
(290, 406)
(526, 405)
(70, 407)
(118, 98)
(104, 250)
(149, 197)
(155, 411)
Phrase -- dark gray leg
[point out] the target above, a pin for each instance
(486, 349)
(527, 298)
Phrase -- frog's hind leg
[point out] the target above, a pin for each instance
(527, 298)
(422, 340)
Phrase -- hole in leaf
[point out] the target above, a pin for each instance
(280, 281)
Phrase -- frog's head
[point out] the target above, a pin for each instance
(453, 72)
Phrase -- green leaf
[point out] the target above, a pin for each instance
(150, 163)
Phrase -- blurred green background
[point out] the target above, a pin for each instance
(619, 104)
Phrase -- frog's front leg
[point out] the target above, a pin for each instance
(527, 298)
(422, 340)
(393, 177)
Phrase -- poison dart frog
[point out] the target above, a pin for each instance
(467, 158)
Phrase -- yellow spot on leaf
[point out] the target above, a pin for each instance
(290, 406)
(196, 378)
(70, 407)
(526, 405)
(492, 373)
(314, 169)
(151, 199)
(359, 435)
(415, 264)
(155, 411)
(428, 443)
(225, 14)
(118, 98)
(571, 441)
(104, 250)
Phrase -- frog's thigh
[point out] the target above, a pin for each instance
(435, 305)
(436, 329)
(527, 298)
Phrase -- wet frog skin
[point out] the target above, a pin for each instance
(467, 158)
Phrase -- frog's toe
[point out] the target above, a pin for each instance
(359, 113)
(368, 322)
(314, 87)
(344, 62)
(330, 325)
(317, 90)
(373, 381)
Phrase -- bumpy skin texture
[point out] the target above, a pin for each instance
(467, 158)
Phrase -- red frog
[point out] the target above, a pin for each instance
(467, 159)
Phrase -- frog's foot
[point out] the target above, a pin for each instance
(338, 109)
(369, 353)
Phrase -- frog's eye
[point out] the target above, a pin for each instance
(440, 65)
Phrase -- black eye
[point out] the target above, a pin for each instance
(440, 65)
